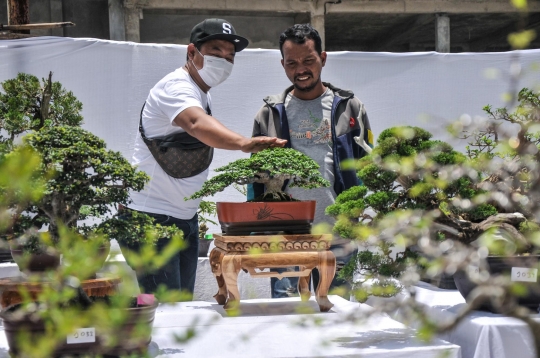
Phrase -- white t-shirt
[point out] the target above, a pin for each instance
(164, 194)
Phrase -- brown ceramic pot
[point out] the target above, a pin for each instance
(204, 245)
(293, 217)
(126, 342)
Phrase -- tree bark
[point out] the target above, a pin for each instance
(18, 14)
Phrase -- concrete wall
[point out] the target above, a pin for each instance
(352, 25)
(91, 18)
(164, 27)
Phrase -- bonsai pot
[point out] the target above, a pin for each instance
(444, 281)
(293, 217)
(503, 265)
(129, 338)
(5, 255)
(48, 260)
(204, 245)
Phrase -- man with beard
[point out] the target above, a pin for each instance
(320, 120)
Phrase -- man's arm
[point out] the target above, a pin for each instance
(210, 131)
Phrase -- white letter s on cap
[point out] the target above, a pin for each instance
(227, 28)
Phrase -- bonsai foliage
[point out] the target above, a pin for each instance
(87, 176)
(407, 170)
(83, 180)
(380, 269)
(515, 157)
(206, 209)
(271, 167)
(26, 104)
(62, 305)
(495, 212)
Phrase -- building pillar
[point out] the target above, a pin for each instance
(18, 14)
(317, 21)
(117, 30)
(57, 16)
(131, 23)
(442, 33)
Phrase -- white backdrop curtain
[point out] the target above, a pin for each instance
(112, 80)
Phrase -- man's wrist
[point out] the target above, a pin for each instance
(245, 143)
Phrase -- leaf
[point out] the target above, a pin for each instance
(521, 40)
(520, 4)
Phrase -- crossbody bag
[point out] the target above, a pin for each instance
(179, 155)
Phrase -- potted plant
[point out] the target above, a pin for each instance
(62, 318)
(206, 209)
(59, 175)
(507, 161)
(84, 180)
(275, 209)
(404, 173)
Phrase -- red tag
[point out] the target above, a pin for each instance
(351, 122)
(145, 299)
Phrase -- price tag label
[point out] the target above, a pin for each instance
(82, 335)
(524, 274)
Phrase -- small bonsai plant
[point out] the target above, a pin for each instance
(271, 167)
(83, 179)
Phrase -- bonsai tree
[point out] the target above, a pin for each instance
(502, 167)
(61, 306)
(407, 172)
(26, 104)
(272, 167)
(83, 179)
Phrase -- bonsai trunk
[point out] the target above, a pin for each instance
(274, 190)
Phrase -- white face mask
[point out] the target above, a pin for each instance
(215, 70)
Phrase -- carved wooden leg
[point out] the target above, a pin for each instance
(303, 286)
(327, 270)
(216, 258)
(231, 265)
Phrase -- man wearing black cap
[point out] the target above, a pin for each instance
(177, 110)
(322, 121)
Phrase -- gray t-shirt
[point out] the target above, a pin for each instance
(311, 134)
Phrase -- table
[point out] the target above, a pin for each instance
(271, 328)
(10, 288)
(258, 252)
(481, 334)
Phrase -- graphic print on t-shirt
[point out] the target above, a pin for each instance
(313, 129)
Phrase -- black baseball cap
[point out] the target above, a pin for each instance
(219, 29)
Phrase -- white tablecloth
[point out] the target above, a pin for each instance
(481, 334)
(270, 328)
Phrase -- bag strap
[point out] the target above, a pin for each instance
(181, 140)
(141, 129)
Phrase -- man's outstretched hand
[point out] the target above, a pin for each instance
(256, 144)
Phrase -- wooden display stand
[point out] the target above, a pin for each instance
(255, 253)
(10, 288)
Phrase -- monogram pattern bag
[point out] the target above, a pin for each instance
(179, 155)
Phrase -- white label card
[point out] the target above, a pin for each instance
(82, 335)
(524, 274)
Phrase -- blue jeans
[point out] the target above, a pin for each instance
(180, 271)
